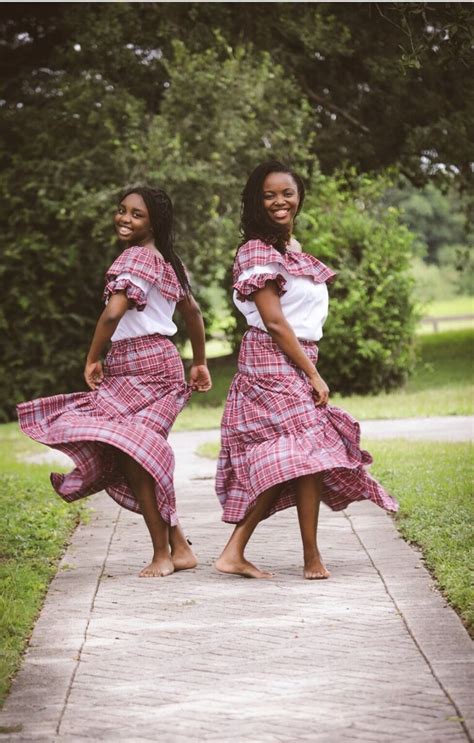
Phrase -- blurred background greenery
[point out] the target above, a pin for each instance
(372, 103)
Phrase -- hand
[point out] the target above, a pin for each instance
(93, 374)
(320, 389)
(199, 378)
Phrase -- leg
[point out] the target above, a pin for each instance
(143, 487)
(182, 555)
(308, 498)
(232, 559)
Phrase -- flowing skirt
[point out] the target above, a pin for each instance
(133, 409)
(272, 432)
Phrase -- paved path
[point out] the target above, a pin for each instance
(373, 654)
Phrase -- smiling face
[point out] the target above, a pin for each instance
(281, 198)
(132, 222)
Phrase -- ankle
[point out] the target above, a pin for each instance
(311, 553)
(161, 552)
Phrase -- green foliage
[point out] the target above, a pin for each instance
(432, 282)
(58, 236)
(367, 345)
(34, 525)
(221, 114)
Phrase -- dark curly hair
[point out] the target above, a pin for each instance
(255, 224)
(160, 212)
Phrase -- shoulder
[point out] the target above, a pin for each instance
(255, 253)
(149, 266)
(305, 264)
(136, 260)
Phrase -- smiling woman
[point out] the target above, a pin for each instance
(282, 444)
(132, 220)
(116, 434)
(280, 198)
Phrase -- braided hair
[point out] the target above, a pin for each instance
(160, 213)
(255, 224)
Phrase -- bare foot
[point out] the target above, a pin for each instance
(183, 558)
(240, 567)
(314, 569)
(158, 568)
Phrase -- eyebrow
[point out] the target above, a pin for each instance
(272, 190)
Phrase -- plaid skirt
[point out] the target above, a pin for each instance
(133, 409)
(272, 432)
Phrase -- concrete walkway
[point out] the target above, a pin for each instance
(373, 654)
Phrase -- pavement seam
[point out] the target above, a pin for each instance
(411, 634)
(91, 611)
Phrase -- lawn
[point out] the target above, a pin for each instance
(442, 384)
(448, 308)
(433, 484)
(34, 527)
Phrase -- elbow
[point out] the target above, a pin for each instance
(276, 328)
(112, 317)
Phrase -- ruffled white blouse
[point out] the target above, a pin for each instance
(304, 303)
(156, 317)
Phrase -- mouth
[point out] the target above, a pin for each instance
(280, 213)
(124, 231)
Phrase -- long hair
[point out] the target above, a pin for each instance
(255, 224)
(160, 213)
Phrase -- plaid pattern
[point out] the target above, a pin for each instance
(146, 264)
(272, 432)
(143, 391)
(134, 294)
(257, 253)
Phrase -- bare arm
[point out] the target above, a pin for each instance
(115, 309)
(269, 307)
(199, 376)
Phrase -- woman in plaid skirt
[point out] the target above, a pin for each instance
(281, 443)
(117, 433)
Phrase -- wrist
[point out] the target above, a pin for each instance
(199, 362)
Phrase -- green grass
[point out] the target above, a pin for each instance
(448, 307)
(34, 526)
(442, 384)
(433, 484)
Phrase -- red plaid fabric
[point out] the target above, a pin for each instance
(145, 264)
(257, 253)
(135, 295)
(143, 391)
(272, 432)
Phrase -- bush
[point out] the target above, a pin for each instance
(367, 345)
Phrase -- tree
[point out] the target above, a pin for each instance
(388, 83)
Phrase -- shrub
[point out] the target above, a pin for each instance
(367, 345)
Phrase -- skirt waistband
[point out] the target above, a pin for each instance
(261, 355)
(138, 342)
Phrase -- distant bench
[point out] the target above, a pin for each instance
(449, 318)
